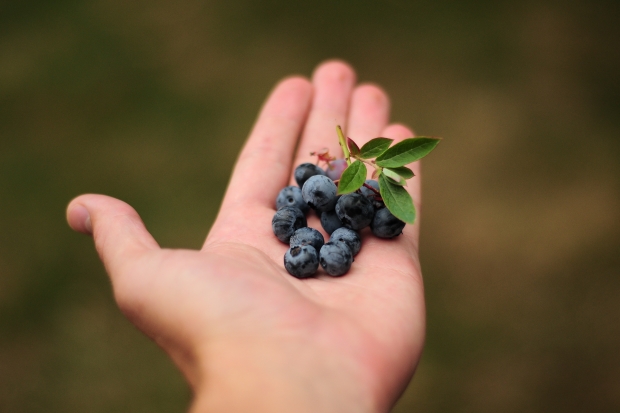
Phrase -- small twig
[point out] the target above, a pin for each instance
(372, 189)
(343, 145)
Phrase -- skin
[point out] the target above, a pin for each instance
(245, 334)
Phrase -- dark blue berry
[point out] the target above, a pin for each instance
(305, 171)
(372, 196)
(349, 237)
(319, 192)
(286, 221)
(355, 211)
(301, 261)
(330, 221)
(291, 196)
(307, 236)
(336, 168)
(335, 258)
(386, 225)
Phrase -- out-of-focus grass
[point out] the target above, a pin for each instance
(151, 101)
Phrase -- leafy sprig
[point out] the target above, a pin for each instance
(389, 167)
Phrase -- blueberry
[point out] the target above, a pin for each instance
(305, 171)
(319, 192)
(335, 258)
(386, 225)
(291, 196)
(372, 196)
(335, 168)
(330, 221)
(301, 261)
(307, 236)
(355, 211)
(286, 221)
(349, 237)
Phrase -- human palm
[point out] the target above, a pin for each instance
(230, 315)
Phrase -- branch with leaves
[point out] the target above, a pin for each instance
(389, 169)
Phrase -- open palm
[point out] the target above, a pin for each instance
(247, 335)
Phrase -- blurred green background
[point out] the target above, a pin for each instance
(150, 101)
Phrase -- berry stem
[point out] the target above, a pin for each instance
(373, 164)
(372, 189)
(343, 145)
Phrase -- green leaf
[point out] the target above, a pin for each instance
(407, 151)
(402, 182)
(353, 148)
(404, 172)
(375, 147)
(352, 178)
(397, 200)
(394, 176)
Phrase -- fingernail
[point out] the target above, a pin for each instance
(88, 225)
(81, 219)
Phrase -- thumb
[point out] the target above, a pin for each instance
(119, 233)
(122, 241)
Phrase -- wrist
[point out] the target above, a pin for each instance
(263, 377)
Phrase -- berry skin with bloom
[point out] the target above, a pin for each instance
(335, 258)
(355, 211)
(372, 196)
(319, 192)
(291, 196)
(330, 221)
(386, 225)
(301, 261)
(307, 236)
(286, 221)
(335, 169)
(349, 237)
(306, 170)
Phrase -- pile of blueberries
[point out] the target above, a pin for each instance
(341, 217)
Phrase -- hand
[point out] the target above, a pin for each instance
(246, 334)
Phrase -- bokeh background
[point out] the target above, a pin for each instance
(150, 101)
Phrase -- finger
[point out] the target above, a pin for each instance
(123, 242)
(264, 165)
(369, 113)
(119, 234)
(333, 83)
